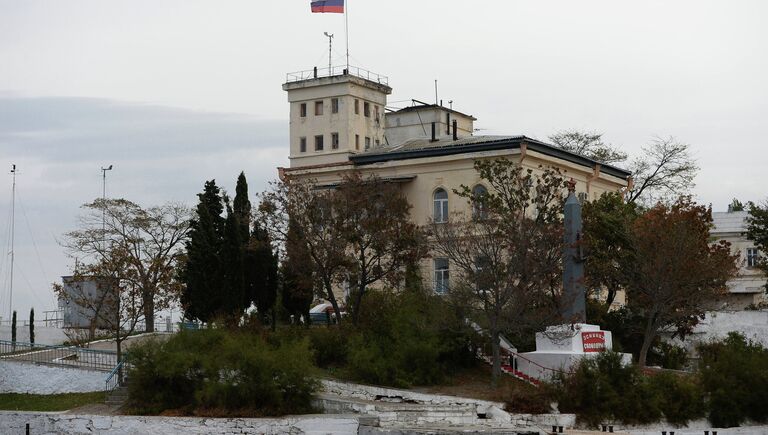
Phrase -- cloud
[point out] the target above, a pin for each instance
(159, 154)
(88, 129)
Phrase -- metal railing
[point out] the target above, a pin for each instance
(71, 356)
(314, 73)
(116, 378)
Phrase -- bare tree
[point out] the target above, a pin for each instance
(665, 170)
(118, 303)
(380, 237)
(307, 211)
(147, 243)
(588, 144)
(509, 254)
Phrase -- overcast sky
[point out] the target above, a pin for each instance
(176, 92)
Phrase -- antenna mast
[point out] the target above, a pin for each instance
(13, 231)
(330, 50)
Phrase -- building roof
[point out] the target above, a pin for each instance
(423, 147)
(429, 106)
(729, 221)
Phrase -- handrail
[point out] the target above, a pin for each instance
(58, 355)
(362, 73)
(112, 382)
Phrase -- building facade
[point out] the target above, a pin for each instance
(748, 287)
(342, 123)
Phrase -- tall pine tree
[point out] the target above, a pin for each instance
(201, 274)
(242, 208)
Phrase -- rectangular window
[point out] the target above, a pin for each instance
(367, 143)
(334, 105)
(303, 144)
(318, 108)
(357, 107)
(753, 257)
(303, 110)
(366, 110)
(357, 142)
(441, 276)
(376, 113)
(334, 141)
(482, 272)
(319, 143)
(377, 142)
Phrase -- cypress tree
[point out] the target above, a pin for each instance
(234, 299)
(262, 272)
(201, 296)
(13, 327)
(242, 207)
(298, 291)
(32, 326)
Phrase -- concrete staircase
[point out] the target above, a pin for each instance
(402, 413)
(118, 396)
(509, 370)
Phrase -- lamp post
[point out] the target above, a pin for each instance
(104, 199)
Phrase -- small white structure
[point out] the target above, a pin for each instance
(560, 348)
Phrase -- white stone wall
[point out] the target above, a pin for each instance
(19, 377)
(42, 335)
(52, 423)
(717, 324)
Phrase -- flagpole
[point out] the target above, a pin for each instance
(346, 29)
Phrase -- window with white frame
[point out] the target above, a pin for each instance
(441, 275)
(753, 257)
(440, 206)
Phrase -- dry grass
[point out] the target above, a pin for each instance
(475, 383)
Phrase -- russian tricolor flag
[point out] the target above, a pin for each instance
(328, 6)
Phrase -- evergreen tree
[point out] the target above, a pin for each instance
(13, 327)
(242, 207)
(201, 297)
(32, 326)
(262, 272)
(233, 296)
(297, 292)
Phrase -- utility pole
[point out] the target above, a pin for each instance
(13, 234)
(330, 50)
(104, 200)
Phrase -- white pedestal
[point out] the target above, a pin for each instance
(559, 348)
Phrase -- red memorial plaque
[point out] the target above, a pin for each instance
(593, 341)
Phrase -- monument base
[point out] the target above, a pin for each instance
(561, 347)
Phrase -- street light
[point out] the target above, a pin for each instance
(104, 200)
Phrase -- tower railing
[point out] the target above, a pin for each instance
(341, 70)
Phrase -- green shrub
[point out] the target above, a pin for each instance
(234, 373)
(409, 338)
(330, 346)
(734, 374)
(680, 397)
(603, 389)
(668, 356)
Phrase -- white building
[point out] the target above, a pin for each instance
(748, 287)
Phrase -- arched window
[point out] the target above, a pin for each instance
(441, 275)
(479, 207)
(440, 206)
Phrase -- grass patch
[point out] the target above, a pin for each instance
(48, 402)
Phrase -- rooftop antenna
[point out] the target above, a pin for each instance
(330, 49)
(436, 92)
(13, 230)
